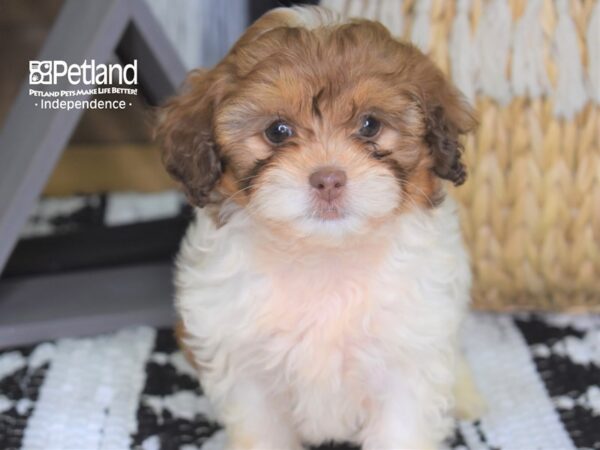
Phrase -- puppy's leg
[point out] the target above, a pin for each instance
(400, 418)
(254, 421)
(469, 402)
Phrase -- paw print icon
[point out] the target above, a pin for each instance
(40, 72)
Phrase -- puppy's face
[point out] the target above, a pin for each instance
(316, 126)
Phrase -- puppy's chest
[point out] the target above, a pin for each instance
(317, 323)
(314, 315)
(305, 296)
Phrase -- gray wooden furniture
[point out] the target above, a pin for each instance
(31, 142)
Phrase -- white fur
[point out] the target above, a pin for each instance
(286, 197)
(304, 343)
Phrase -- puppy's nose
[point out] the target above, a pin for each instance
(329, 182)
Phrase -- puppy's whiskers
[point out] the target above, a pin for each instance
(239, 192)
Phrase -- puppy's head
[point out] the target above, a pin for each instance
(317, 126)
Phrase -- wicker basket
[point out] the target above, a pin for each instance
(531, 209)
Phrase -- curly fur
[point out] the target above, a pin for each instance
(305, 329)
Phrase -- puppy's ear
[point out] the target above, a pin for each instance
(185, 134)
(447, 116)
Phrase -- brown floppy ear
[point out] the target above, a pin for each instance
(185, 128)
(447, 116)
(185, 134)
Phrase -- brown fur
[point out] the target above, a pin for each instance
(322, 81)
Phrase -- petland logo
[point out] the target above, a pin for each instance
(59, 85)
(50, 72)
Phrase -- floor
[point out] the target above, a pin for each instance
(133, 389)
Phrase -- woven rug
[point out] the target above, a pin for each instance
(133, 389)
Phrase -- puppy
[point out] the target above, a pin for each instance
(323, 281)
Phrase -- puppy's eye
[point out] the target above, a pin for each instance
(370, 126)
(278, 132)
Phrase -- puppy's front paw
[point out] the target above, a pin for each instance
(399, 446)
(246, 442)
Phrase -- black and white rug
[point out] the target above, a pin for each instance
(100, 230)
(133, 389)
